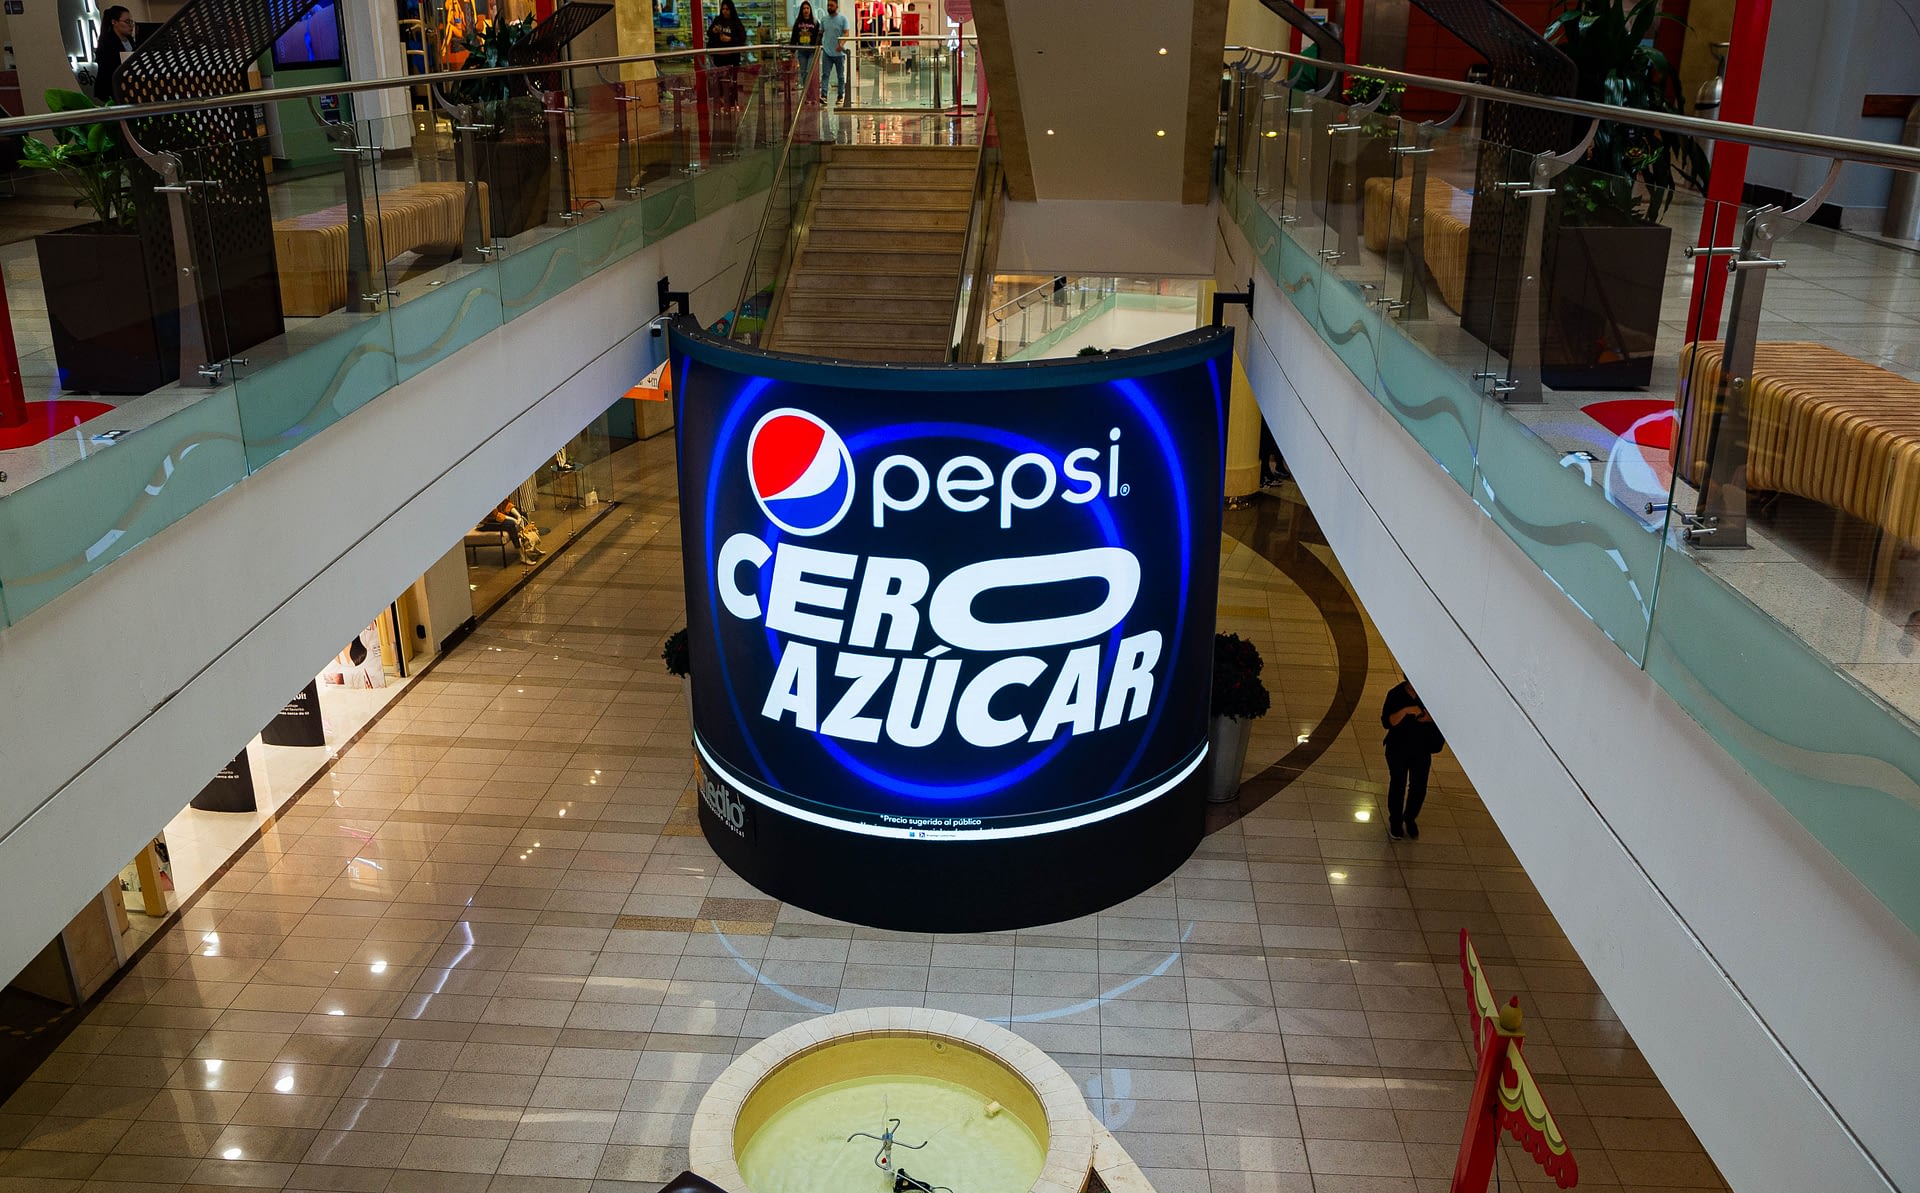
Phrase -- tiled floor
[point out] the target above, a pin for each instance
(491, 951)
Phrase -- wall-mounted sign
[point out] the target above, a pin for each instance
(945, 618)
(231, 790)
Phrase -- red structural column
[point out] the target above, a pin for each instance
(1352, 19)
(13, 395)
(1739, 96)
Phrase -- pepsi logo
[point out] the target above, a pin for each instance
(800, 471)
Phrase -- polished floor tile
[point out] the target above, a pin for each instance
(532, 990)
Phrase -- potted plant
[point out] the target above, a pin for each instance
(110, 333)
(1605, 265)
(676, 654)
(514, 157)
(1378, 130)
(1239, 697)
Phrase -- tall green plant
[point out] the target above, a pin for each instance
(1610, 42)
(92, 158)
(498, 44)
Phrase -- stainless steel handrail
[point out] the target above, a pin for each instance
(1873, 153)
(973, 243)
(15, 125)
(809, 81)
(1018, 301)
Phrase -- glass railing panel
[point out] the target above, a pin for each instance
(793, 99)
(1786, 622)
(121, 474)
(339, 219)
(1572, 446)
(1420, 226)
(1307, 175)
(1353, 292)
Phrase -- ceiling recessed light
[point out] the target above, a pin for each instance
(1163, 51)
(1272, 133)
(1159, 132)
(1049, 132)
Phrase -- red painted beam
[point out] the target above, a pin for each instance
(1720, 223)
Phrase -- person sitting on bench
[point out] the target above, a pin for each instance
(526, 536)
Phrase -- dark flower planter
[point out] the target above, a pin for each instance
(1604, 286)
(110, 336)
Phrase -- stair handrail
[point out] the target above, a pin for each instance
(1019, 301)
(969, 306)
(808, 85)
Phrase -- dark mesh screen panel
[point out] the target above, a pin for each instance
(206, 49)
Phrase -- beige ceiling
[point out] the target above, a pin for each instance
(1128, 121)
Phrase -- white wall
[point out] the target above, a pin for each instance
(1106, 239)
(1822, 60)
(1776, 1000)
(120, 698)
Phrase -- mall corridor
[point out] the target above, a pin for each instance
(489, 949)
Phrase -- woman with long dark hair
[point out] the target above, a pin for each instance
(806, 36)
(116, 42)
(727, 30)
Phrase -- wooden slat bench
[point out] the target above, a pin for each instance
(1386, 207)
(312, 249)
(1823, 426)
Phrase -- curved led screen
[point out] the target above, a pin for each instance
(936, 610)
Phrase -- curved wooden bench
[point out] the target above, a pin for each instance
(1386, 205)
(1823, 426)
(311, 249)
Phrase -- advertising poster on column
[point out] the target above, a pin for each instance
(963, 605)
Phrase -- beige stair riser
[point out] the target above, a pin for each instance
(852, 285)
(881, 198)
(887, 240)
(864, 308)
(893, 154)
(914, 355)
(933, 220)
(868, 261)
(830, 329)
(932, 177)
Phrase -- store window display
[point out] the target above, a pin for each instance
(568, 493)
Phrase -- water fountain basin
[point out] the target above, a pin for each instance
(996, 1113)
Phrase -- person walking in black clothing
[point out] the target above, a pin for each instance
(116, 42)
(1412, 741)
(727, 30)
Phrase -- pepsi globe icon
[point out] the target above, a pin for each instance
(801, 473)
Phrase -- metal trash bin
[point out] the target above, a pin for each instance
(1903, 201)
